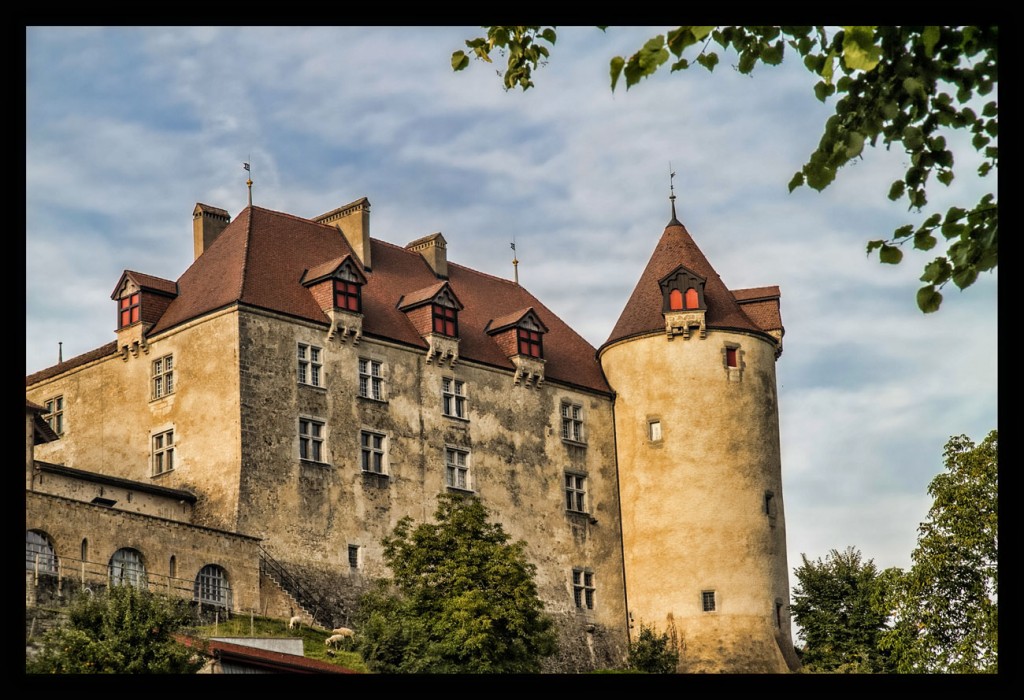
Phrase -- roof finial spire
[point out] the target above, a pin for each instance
(672, 195)
(515, 262)
(60, 352)
(248, 182)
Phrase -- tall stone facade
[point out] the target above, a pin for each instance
(302, 401)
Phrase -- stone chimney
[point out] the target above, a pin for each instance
(433, 248)
(207, 223)
(353, 220)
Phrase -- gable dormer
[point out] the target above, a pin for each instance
(337, 285)
(434, 313)
(520, 335)
(141, 301)
(683, 304)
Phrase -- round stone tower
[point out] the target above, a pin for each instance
(697, 439)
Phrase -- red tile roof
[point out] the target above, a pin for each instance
(144, 281)
(259, 260)
(77, 361)
(254, 657)
(643, 311)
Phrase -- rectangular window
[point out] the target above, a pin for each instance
(453, 392)
(54, 415)
(371, 379)
(128, 310)
(372, 452)
(163, 452)
(446, 320)
(529, 343)
(353, 556)
(163, 376)
(707, 601)
(572, 422)
(456, 468)
(311, 440)
(347, 296)
(654, 430)
(731, 358)
(310, 366)
(583, 588)
(575, 492)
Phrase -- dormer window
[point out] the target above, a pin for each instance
(682, 290)
(677, 301)
(446, 320)
(129, 310)
(529, 342)
(347, 295)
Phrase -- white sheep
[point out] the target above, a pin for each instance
(334, 640)
(294, 622)
(343, 631)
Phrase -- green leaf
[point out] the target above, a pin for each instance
(827, 66)
(797, 180)
(854, 144)
(616, 70)
(548, 35)
(914, 87)
(928, 299)
(459, 60)
(897, 189)
(903, 232)
(913, 137)
(924, 240)
(819, 176)
(930, 37)
(859, 50)
(874, 245)
(991, 109)
(890, 255)
(822, 90)
(932, 221)
(964, 277)
(681, 64)
(708, 60)
(979, 141)
(937, 271)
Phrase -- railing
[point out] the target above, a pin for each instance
(306, 598)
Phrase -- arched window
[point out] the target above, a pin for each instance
(172, 567)
(675, 300)
(212, 587)
(691, 298)
(127, 568)
(85, 549)
(39, 554)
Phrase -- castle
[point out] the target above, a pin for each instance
(261, 423)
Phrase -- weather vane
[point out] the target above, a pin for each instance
(672, 189)
(515, 262)
(248, 182)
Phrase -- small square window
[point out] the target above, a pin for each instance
(445, 320)
(129, 310)
(654, 430)
(707, 601)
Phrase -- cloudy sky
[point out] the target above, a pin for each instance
(127, 128)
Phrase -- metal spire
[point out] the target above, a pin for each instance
(515, 262)
(248, 182)
(672, 195)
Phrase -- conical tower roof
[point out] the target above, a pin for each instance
(643, 311)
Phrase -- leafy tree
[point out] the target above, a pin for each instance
(653, 652)
(839, 604)
(903, 85)
(946, 607)
(125, 630)
(462, 599)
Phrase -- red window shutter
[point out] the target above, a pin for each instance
(691, 298)
(730, 357)
(675, 300)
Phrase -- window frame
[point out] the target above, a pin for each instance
(353, 556)
(453, 396)
(40, 552)
(583, 588)
(530, 342)
(129, 567)
(311, 442)
(212, 587)
(373, 454)
(162, 448)
(54, 415)
(349, 292)
(371, 379)
(575, 489)
(162, 377)
(457, 474)
(708, 601)
(309, 368)
(447, 317)
(572, 423)
(129, 309)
